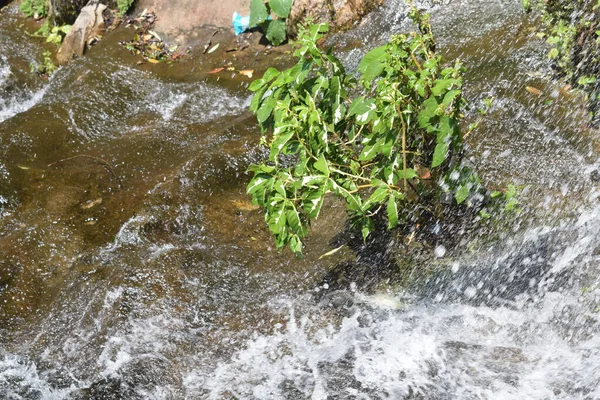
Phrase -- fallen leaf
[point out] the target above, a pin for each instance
(217, 70)
(533, 90)
(244, 205)
(230, 68)
(155, 35)
(23, 167)
(91, 203)
(153, 60)
(247, 72)
(216, 46)
(206, 46)
(331, 252)
(229, 50)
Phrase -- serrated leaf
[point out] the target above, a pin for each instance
(371, 64)
(450, 96)
(275, 31)
(281, 7)
(258, 13)
(442, 85)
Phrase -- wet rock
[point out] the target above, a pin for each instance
(65, 11)
(341, 14)
(89, 24)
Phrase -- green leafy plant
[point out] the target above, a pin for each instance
(35, 8)
(260, 15)
(123, 6)
(390, 144)
(571, 27)
(57, 34)
(46, 67)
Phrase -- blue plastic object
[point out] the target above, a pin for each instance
(240, 24)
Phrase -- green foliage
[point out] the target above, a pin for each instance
(123, 6)
(46, 68)
(53, 34)
(572, 28)
(57, 34)
(388, 151)
(35, 8)
(260, 15)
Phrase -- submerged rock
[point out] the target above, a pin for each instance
(89, 23)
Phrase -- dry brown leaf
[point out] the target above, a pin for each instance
(216, 70)
(91, 203)
(533, 90)
(247, 72)
(426, 175)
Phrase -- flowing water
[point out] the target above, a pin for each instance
(133, 267)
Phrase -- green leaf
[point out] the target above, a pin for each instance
(275, 31)
(410, 173)
(369, 152)
(279, 143)
(264, 112)
(258, 12)
(450, 96)
(296, 245)
(277, 220)
(257, 183)
(321, 165)
(293, 219)
(281, 7)
(461, 194)
(372, 63)
(392, 212)
(312, 203)
(377, 197)
(442, 85)
(257, 98)
(428, 111)
(439, 154)
(366, 227)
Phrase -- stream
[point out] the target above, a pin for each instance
(132, 265)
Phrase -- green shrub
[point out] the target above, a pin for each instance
(123, 6)
(39, 8)
(274, 29)
(390, 152)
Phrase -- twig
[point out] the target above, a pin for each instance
(100, 161)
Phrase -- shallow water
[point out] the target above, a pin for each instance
(133, 267)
